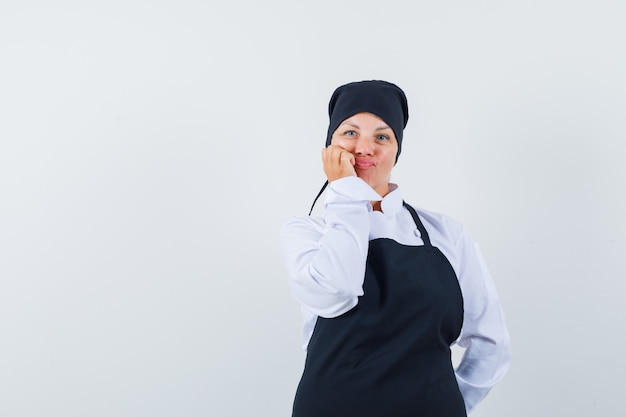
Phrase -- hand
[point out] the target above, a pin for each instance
(338, 163)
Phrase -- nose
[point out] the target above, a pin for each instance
(364, 146)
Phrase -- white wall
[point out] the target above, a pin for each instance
(150, 151)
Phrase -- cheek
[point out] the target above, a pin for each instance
(390, 159)
(393, 156)
(341, 142)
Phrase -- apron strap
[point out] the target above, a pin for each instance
(418, 223)
(318, 196)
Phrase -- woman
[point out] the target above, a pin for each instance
(386, 289)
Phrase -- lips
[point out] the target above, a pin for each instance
(363, 163)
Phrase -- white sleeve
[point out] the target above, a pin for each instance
(326, 259)
(484, 334)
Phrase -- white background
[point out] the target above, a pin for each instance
(151, 150)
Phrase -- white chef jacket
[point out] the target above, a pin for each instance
(326, 257)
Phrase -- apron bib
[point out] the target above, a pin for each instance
(390, 355)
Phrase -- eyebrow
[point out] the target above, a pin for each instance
(358, 127)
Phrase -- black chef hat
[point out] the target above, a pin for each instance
(384, 99)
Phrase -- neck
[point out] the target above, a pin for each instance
(382, 191)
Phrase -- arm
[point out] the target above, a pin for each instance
(484, 334)
(326, 258)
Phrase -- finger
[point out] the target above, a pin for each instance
(334, 155)
(327, 156)
(348, 157)
(337, 148)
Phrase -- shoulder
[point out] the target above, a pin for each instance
(304, 221)
(441, 224)
(302, 226)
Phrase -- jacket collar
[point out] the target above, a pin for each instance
(391, 204)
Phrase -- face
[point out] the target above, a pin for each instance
(374, 146)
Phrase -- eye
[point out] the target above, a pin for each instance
(350, 133)
(382, 137)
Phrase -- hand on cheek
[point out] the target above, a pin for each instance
(338, 163)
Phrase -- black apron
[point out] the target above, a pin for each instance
(390, 355)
